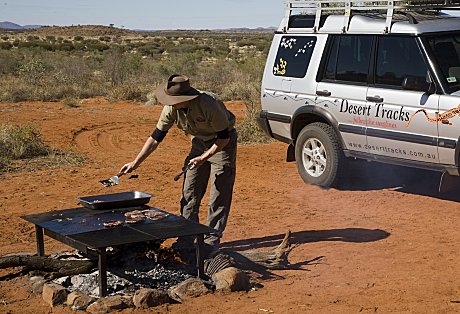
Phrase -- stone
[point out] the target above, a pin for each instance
(78, 300)
(37, 287)
(108, 304)
(37, 284)
(190, 288)
(231, 279)
(145, 298)
(54, 294)
(77, 281)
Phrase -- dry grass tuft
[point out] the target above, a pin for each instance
(24, 143)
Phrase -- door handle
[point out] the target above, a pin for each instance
(323, 93)
(374, 98)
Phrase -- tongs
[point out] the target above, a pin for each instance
(112, 180)
(184, 170)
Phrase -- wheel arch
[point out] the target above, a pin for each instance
(306, 115)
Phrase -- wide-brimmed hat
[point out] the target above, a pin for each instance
(176, 90)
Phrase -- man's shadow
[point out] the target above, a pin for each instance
(356, 235)
(366, 176)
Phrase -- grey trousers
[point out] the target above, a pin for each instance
(220, 170)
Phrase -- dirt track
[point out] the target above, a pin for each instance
(386, 242)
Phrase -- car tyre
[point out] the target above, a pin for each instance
(319, 156)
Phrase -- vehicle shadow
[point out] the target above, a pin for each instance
(366, 176)
(357, 235)
(237, 248)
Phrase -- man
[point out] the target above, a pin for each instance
(212, 156)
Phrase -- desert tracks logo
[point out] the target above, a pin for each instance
(443, 117)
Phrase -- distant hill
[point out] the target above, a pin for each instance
(14, 26)
(82, 30)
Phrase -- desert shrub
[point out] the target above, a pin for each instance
(9, 62)
(244, 42)
(119, 67)
(93, 46)
(79, 46)
(51, 39)
(33, 71)
(188, 48)
(6, 45)
(26, 44)
(64, 46)
(17, 142)
(71, 102)
(5, 37)
(134, 92)
(184, 63)
(45, 46)
(25, 142)
(248, 130)
(150, 49)
(70, 69)
(15, 90)
(78, 38)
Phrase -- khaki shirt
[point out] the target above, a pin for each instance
(206, 115)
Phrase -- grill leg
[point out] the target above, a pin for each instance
(199, 258)
(40, 241)
(102, 265)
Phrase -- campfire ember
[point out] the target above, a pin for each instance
(132, 267)
(121, 280)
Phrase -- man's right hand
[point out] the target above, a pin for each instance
(128, 167)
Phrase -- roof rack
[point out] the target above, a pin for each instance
(346, 7)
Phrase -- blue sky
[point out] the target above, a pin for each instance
(145, 14)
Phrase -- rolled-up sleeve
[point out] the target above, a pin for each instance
(167, 119)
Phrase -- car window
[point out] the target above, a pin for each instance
(293, 57)
(446, 51)
(397, 58)
(349, 58)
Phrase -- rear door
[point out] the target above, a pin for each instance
(397, 126)
(342, 88)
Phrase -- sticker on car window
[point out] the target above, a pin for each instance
(451, 79)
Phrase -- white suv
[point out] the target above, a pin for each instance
(380, 87)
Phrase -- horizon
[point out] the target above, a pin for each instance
(129, 29)
(145, 14)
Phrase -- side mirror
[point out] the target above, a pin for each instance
(417, 83)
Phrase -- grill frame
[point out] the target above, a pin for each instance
(62, 225)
